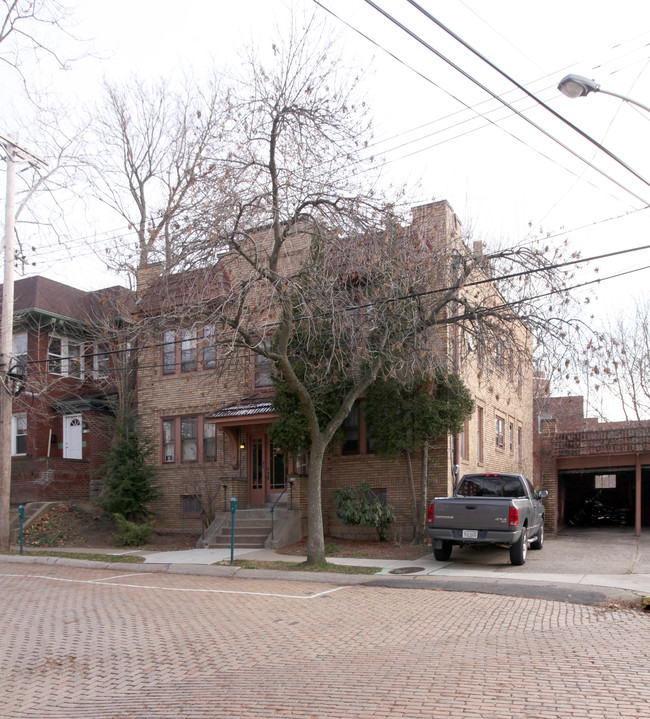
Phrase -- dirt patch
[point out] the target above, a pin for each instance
(83, 524)
(362, 549)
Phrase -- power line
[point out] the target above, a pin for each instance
(480, 114)
(414, 295)
(483, 87)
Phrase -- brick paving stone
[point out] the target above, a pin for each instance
(90, 644)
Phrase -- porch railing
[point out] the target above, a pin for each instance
(602, 441)
(288, 485)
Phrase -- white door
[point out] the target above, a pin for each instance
(72, 436)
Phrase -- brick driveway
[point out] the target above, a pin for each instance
(90, 643)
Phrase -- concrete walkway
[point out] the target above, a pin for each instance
(606, 558)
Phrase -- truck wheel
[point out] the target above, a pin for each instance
(539, 540)
(443, 554)
(519, 550)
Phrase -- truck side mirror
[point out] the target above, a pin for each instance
(542, 494)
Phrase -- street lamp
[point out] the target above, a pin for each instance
(578, 86)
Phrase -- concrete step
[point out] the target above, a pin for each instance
(222, 542)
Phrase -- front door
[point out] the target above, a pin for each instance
(72, 436)
(266, 469)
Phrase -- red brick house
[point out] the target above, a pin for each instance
(63, 343)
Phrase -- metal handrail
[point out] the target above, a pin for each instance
(205, 506)
(273, 509)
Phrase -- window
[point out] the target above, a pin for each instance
(500, 432)
(190, 504)
(19, 433)
(479, 435)
(352, 431)
(605, 481)
(169, 352)
(169, 444)
(65, 357)
(209, 347)
(189, 352)
(511, 438)
(463, 441)
(189, 441)
(19, 349)
(263, 367)
(301, 463)
(209, 441)
(75, 360)
(55, 355)
(519, 447)
(357, 435)
(499, 355)
(101, 361)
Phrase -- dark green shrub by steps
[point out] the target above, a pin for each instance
(130, 534)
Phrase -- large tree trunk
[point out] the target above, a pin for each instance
(316, 538)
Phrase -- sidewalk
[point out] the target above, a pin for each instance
(604, 558)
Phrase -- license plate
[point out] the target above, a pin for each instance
(470, 533)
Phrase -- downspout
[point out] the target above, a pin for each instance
(637, 499)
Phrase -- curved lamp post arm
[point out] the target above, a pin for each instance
(578, 86)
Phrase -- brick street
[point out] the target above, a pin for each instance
(91, 643)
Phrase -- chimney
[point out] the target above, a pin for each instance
(147, 275)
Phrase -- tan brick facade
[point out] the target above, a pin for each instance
(169, 397)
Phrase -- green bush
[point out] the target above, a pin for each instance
(127, 473)
(363, 507)
(130, 534)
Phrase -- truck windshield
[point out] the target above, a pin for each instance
(491, 487)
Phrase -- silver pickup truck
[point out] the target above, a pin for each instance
(500, 509)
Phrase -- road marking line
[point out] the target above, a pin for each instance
(119, 576)
(101, 583)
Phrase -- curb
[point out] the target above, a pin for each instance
(540, 589)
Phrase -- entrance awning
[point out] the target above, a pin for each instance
(233, 418)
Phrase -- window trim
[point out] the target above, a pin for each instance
(101, 360)
(175, 345)
(178, 443)
(20, 357)
(499, 432)
(364, 439)
(463, 441)
(63, 358)
(480, 435)
(190, 499)
(260, 375)
(17, 418)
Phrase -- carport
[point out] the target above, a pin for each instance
(623, 452)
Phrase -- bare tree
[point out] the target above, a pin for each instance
(27, 25)
(150, 145)
(327, 281)
(617, 365)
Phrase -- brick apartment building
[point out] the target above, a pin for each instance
(210, 423)
(62, 345)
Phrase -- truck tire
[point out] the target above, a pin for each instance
(539, 539)
(443, 554)
(519, 550)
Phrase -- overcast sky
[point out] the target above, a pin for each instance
(434, 128)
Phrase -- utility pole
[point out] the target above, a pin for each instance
(13, 154)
